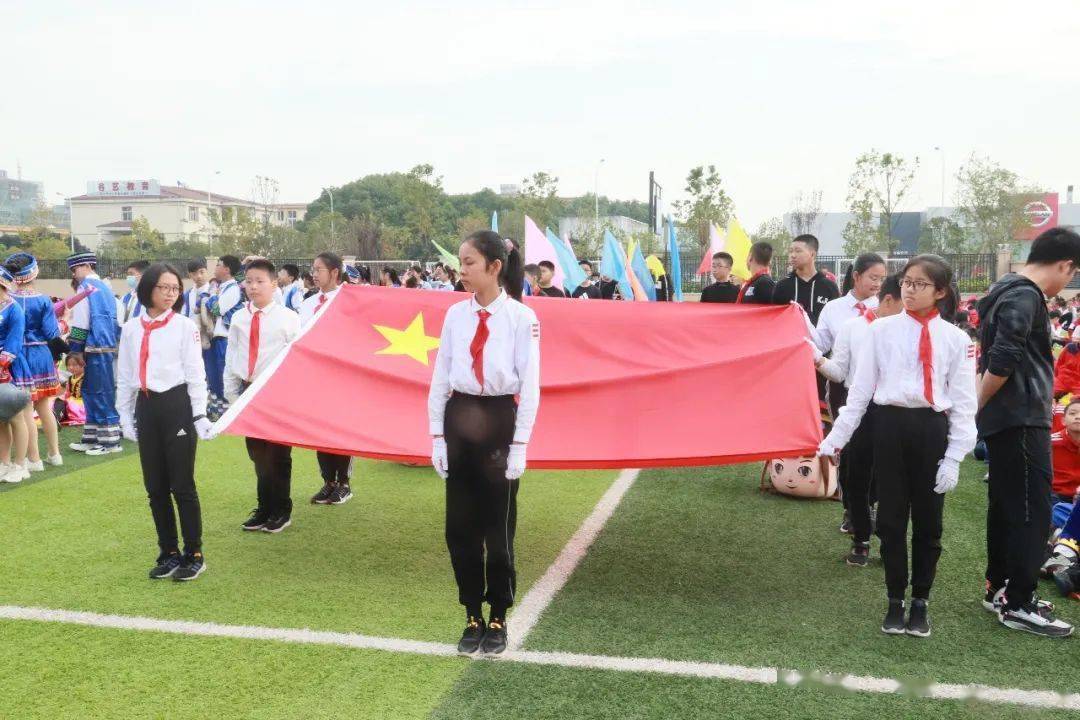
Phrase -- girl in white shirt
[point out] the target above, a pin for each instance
(489, 352)
(919, 371)
(161, 400)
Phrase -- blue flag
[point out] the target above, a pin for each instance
(573, 275)
(676, 263)
(495, 221)
(641, 272)
(613, 265)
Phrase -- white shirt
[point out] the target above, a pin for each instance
(228, 297)
(840, 367)
(277, 328)
(308, 307)
(835, 314)
(293, 295)
(175, 358)
(511, 360)
(191, 299)
(889, 373)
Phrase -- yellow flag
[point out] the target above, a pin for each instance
(738, 246)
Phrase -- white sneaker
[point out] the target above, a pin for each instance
(104, 450)
(35, 466)
(82, 447)
(16, 475)
(55, 460)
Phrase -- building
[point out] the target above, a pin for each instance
(108, 208)
(19, 199)
(573, 226)
(1044, 212)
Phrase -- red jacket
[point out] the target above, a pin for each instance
(1067, 371)
(1066, 464)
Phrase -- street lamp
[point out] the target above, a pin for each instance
(938, 148)
(71, 226)
(596, 191)
(333, 236)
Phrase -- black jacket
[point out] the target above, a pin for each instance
(812, 294)
(718, 292)
(1014, 332)
(760, 291)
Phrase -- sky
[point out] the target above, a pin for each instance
(780, 96)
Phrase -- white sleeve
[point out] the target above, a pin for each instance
(229, 299)
(859, 396)
(825, 337)
(962, 432)
(194, 370)
(127, 384)
(292, 326)
(440, 379)
(232, 381)
(527, 362)
(80, 314)
(836, 367)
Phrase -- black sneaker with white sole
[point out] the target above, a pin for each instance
(167, 564)
(494, 641)
(257, 520)
(323, 496)
(845, 525)
(859, 555)
(277, 523)
(894, 624)
(994, 600)
(341, 495)
(918, 623)
(471, 637)
(193, 567)
(1030, 618)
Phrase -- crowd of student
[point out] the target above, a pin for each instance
(896, 354)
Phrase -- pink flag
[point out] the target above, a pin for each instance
(538, 248)
(716, 244)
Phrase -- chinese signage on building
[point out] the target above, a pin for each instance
(109, 188)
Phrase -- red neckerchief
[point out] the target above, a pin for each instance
(926, 352)
(748, 283)
(870, 316)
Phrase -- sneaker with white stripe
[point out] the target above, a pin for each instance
(1031, 618)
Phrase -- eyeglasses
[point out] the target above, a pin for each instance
(168, 289)
(916, 285)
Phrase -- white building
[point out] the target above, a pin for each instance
(572, 226)
(108, 208)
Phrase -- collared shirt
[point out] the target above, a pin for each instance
(227, 301)
(277, 328)
(511, 360)
(835, 314)
(840, 367)
(889, 373)
(309, 308)
(293, 295)
(175, 358)
(194, 299)
(129, 307)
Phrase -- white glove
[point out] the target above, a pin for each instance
(127, 429)
(439, 458)
(818, 355)
(948, 474)
(204, 429)
(515, 461)
(828, 450)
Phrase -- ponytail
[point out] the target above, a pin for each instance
(862, 263)
(512, 274)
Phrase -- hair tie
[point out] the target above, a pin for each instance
(509, 244)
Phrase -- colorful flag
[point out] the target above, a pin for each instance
(629, 378)
(676, 261)
(447, 257)
(738, 246)
(716, 244)
(573, 275)
(538, 249)
(495, 221)
(641, 271)
(613, 265)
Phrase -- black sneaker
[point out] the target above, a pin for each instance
(470, 639)
(194, 564)
(994, 600)
(1068, 581)
(859, 555)
(277, 523)
(494, 641)
(1029, 617)
(341, 495)
(894, 619)
(918, 623)
(257, 520)
(845, 526)
(323, 496)
(1057, 561)
(167, 564)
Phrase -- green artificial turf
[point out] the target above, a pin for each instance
(73, 461)
(376, 565)
(697, 565)
(64, 671)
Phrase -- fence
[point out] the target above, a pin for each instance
(111, 268)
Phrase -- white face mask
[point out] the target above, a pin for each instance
(132, 281)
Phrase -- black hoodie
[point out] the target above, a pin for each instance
(812, 294)
(1014, 333)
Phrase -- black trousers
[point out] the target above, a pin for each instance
(1018, 512)
(334, 468)
(273, 473)
(837, 397)
(167, 443)
(481, 504)
(908, 445)
(857, 475)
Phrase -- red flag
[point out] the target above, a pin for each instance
(622, 384)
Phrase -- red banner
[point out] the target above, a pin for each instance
(622, 384)
(1041, 213)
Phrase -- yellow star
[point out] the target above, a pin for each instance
(411, 341)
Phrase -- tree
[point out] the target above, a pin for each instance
(142, 243)
(776, 234)
(878, 187)
(990, 202)
(538, 200)
(943, 236)
(806, 208)
(708, 203)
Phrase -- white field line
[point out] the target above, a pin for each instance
(527, 613)
(762, 675)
